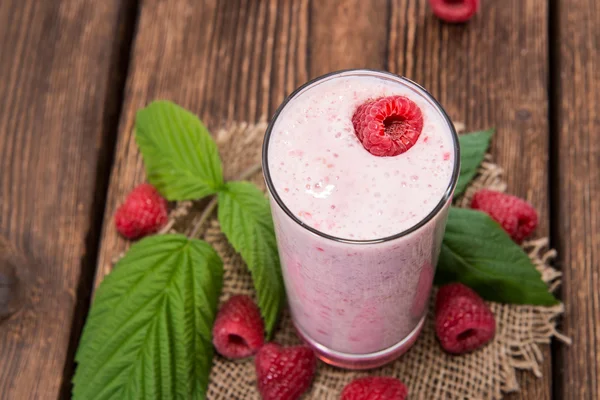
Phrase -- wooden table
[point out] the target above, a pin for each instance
(74, 72)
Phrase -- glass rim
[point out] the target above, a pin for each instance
(413, 85)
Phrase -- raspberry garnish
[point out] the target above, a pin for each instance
(388, 126)
(463, 321)
(239, 330)
(284, 373)
(375, 388)
(454, 10)
(517, 217)
(144, 212)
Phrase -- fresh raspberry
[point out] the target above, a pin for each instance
(144, 212)
(518, 218)
(454, 10)
(284, 373)
(375, 388)
(388, 126)
(463, 321)
(239, 330)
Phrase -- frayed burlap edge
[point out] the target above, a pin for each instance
(429, 372)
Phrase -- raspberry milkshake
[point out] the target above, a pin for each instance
(360, 167)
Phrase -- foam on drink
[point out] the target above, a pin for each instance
(332, 183)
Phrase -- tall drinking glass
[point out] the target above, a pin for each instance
(358, 235)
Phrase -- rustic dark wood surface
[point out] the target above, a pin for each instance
(576, 196)
(60, 80)
(56, 66)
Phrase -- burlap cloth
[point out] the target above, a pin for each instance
(425, 368)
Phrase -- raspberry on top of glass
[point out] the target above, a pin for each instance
(368, 153)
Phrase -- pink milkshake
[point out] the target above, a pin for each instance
(358, 234)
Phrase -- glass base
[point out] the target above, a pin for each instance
(363, 361)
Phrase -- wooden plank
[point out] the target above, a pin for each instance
(244, 57)
(55, 65)
(576, 157)
(489, 72)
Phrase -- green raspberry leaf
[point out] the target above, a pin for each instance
(182, 160)
(479, 253)
(245, 219)
(472, 150)
(148, 334)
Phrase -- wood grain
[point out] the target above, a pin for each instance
(577, 170)
(55, 59)
(245, 56)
